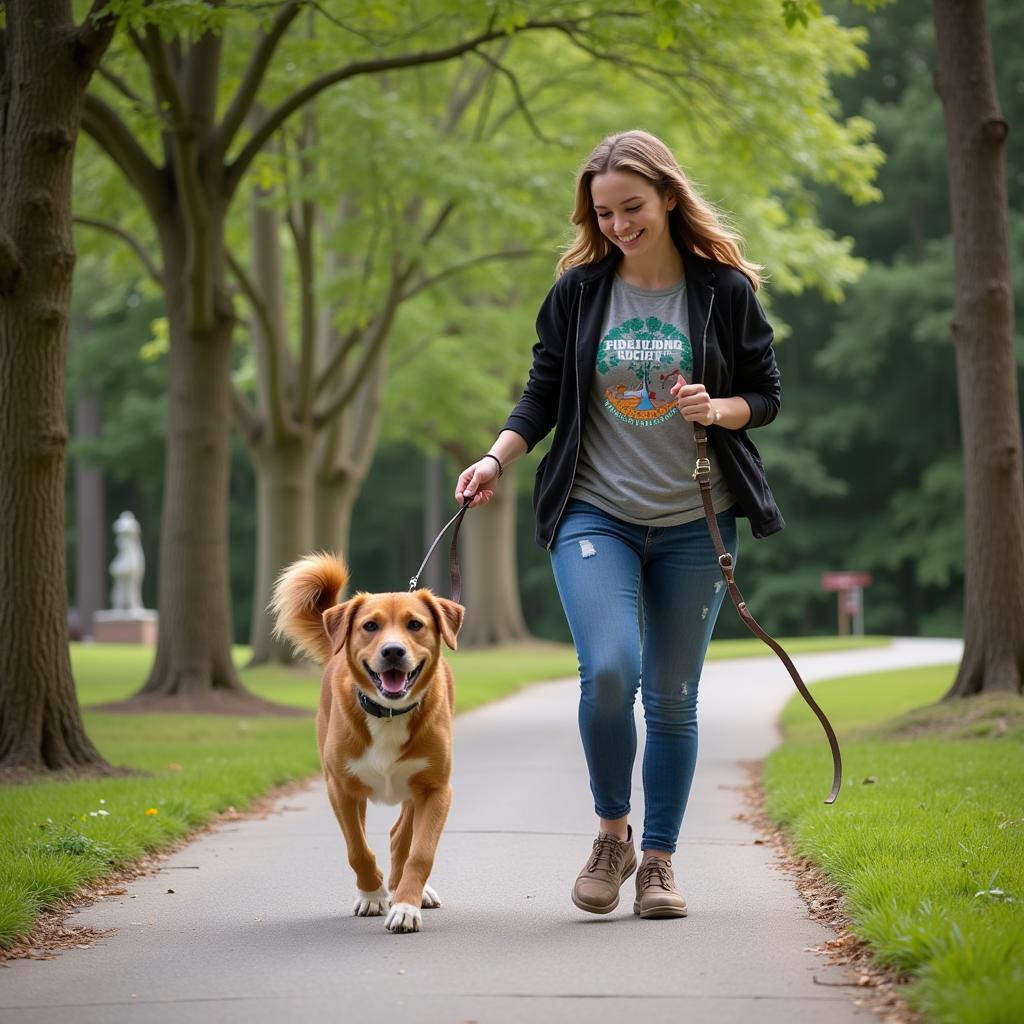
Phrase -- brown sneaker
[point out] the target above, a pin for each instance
(656, 892)
(611, 862)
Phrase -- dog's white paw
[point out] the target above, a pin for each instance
(403, 917)
(430, 898)
(371, 904)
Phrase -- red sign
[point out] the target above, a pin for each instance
(845, 580)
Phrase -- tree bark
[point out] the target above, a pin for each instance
(194, 647)
(282, 454)
(986, 366)
(490, 576)
(46, 62)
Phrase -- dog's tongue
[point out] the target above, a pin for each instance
(393, 681)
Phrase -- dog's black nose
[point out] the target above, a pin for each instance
(393, 652)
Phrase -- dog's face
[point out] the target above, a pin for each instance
(393, 641)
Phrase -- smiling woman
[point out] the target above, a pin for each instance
(652, 328)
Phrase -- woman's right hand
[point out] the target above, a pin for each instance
(477, 481)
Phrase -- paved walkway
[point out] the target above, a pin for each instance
(258, 928)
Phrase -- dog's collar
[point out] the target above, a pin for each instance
(371, 707)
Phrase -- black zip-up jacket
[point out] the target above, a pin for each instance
(732, 355)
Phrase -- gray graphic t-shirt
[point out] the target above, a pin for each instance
(638, 453)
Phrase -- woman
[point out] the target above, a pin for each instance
(651, 327)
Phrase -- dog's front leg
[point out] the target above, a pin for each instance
(373, 899)
(429, 815)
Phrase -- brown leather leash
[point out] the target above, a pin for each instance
(453, 560)
(702, 474)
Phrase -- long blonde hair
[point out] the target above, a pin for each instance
(693, 222)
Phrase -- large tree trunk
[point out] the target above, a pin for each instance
(282, 454)
(193, 655)
(45, 66)
(494, 614)
(986, 365)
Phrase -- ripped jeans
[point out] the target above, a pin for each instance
(641, 604)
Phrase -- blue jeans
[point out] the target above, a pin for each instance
(641, 604)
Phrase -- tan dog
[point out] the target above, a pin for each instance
(384, 725)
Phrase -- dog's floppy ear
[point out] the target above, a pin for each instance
(447, 614)
(338, 621)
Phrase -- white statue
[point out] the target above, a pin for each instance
(128, 566)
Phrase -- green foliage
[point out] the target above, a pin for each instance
(747, 104)
(925, 840)
(869, 386)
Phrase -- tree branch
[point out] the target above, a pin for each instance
(237, 168)
(168, 87)
(459, 268)
(122, 87)
(133, 243)
(520, 99)
(341, 352)
(345, 392)
(185, 154)
(103, 124)
(245, 94)
(200, 76)
(269, 347)
(442, 218)
(248, 419)
(94, 34)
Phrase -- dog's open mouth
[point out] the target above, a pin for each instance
(392, 682)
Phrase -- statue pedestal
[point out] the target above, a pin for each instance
(121, 627)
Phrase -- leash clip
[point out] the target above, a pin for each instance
(413, 583)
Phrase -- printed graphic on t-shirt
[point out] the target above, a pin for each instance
(639, 361)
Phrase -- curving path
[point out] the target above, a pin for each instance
(258, 928)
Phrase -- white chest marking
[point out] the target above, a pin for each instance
(379, 767)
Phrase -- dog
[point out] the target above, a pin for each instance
(384, 725)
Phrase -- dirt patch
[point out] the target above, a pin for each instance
(216, 702)
(875, 987)
(53, 933)
(982, 716)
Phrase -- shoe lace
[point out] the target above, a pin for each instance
(609, 850)
(657, 873)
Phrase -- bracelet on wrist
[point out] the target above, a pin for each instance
(501, 469)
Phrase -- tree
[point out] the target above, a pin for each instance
(46, 63)
(189, 165)
(866, 457)
(187, 192)
(982, 331)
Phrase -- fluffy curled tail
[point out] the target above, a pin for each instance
(302, 593)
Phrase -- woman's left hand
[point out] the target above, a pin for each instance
(694, 403)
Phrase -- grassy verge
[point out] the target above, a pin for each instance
(57, 837)
(926, 840)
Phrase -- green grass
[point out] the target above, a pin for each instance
(751, 647)
(927, 838)
(54, 838)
